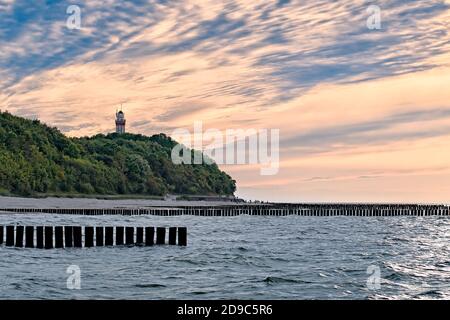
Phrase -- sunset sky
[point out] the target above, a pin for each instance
(364, 115)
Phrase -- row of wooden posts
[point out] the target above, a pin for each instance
(282, 210)
(50, 237)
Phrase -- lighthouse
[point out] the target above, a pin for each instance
(120, 122)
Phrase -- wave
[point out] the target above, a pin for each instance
(283, 280)
(149, 285)
(430, 294)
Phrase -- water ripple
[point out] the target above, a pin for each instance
(242, 258)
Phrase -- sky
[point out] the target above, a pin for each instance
(363, 113)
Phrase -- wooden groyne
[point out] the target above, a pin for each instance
(315, 210)
(49, 237)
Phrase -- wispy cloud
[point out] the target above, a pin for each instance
(377, 131)
(311, 68)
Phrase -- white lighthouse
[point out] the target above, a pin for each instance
(120, 122)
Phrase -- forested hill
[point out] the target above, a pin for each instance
(37, 159)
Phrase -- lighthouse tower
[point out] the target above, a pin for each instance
(120, 122)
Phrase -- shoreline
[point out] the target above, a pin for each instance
(60, 202)
(106, 203)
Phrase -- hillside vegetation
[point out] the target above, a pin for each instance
(37, 159)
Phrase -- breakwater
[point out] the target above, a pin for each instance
(49, 237)
(360, 210)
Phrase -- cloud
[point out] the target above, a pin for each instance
(298, 43)
(181, 111)
(374, 131)
(341, 94)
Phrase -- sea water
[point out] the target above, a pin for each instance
(243, 257)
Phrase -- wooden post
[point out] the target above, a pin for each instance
(149, 236)
(129, 235)
(119, 236)
(99, 236)
(139, 235)
(1, 234)
(10, 236)
(77, 237)
(40, 237)
(109, 236)
(88, 237)
(68, 236)
(59, 237)
(29, 237)
(182, 236)
(160, 235)
(19, 236)
(48, 237)
(173, 235)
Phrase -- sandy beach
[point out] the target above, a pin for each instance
(51, 202)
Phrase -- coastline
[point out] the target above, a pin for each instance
(56, 202)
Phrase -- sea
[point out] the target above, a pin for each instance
(241, 257)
